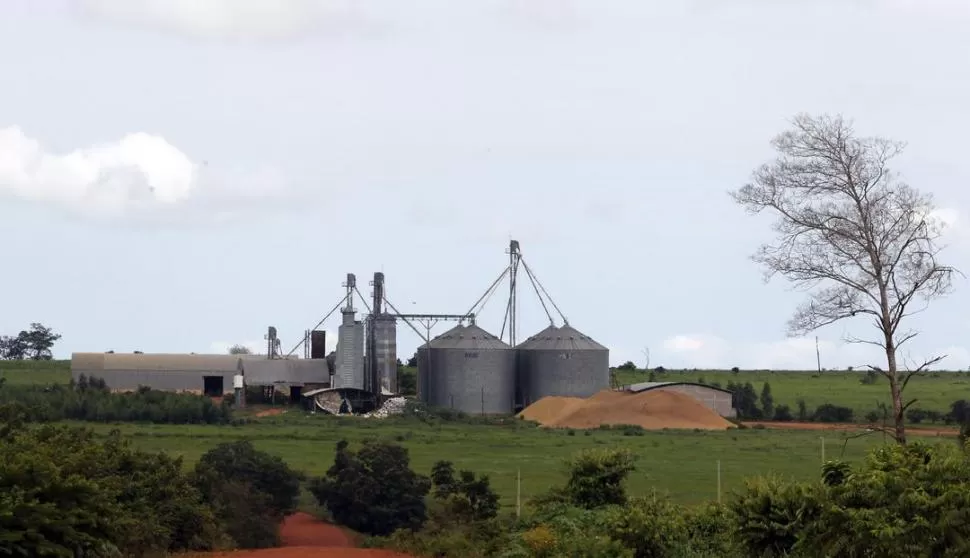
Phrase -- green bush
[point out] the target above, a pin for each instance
(90, 400)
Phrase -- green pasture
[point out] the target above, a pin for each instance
(681, 463)
(21, 372)
(934, 391)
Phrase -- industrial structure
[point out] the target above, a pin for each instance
(714, 398)
(466, 368)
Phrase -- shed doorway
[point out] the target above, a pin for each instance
(212, 386)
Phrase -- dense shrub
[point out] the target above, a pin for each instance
(90, 400)
(827, 412)
(63, 492)
(373, 490)
(783, 414)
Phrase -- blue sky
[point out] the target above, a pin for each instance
(176, 176)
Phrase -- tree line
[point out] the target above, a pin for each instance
(91, 400)
(66, 492)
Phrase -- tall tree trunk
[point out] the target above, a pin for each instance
(899, 421)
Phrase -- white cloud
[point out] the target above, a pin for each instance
(712, 352)
(141, 175)
(229, 19)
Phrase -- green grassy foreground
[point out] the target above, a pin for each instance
(681, 463)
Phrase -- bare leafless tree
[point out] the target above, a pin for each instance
(851, 232)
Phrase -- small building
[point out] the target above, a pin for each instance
(206, 374)
(717, 399)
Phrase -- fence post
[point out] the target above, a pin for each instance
(718, 481)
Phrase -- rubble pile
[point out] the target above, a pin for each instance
(393, 406)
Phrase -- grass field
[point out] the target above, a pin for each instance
(19, 372)
(683, 464)
(934, 391)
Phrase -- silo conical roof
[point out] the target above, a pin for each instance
(468, 337)
(561, 338)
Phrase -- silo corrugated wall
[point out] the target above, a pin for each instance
(561, 361)
(471, 371)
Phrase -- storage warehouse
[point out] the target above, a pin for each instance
(716, 399)
(209, 374)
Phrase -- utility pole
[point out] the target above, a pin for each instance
(818, 356)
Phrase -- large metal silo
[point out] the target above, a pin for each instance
(561, 361)
(470, 370)
(424, 369)
(385, 335)
(350, 353)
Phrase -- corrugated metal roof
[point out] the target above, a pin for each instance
(158, 362)
(644, 386)
(468, 337)
(565, 338)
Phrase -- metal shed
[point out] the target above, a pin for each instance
(561, 361)
(468, 369)
(210, 374)
(717, 399)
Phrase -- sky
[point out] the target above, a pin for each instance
(177, 175)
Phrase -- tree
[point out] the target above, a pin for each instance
(597, 476)
(34, 344)
(767, 401)
(373, 490)
(466, 496)
(850, 230)
(240, 350)
(250, 490)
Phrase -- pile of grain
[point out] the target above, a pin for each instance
(653, 410)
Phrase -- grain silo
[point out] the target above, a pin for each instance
(349, 371)
(469, 370)
(561, 361)
(424, 370)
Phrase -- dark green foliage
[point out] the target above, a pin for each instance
(596, 479)
(466, 496)
(373, 490)
(783, 414)
(767, 401)
(63, 492)
(745, 400)
(33, 344)
(906, 501)
(834, 472)
(628, 365)
(832, 413)
(250, 490)
(407, 380)
(771, 514)
(803, 413)
(90, 400)
(960, 411)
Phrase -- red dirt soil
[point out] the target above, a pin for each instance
(270, 413)
(301, 529)
(303, 552)
(838, 426)
(304, 536)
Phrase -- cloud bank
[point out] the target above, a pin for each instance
(227, 19)
(141, 176)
